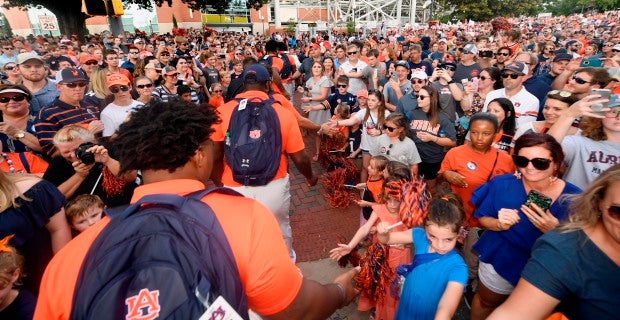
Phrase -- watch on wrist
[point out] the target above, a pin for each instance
(451, 82)
(21, 134)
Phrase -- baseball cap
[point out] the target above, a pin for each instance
(448, 63)
(570, 43)
(559, 51)
(117, 79)
(87, 57)
(419, 75)
(168, 70)
(616, 47)
(562, 56)
(138, 40)
(443, 40)
(70, 75)
(471, 48)
(517, 67)
(256, 73)
(151, 65)
(614, 73)
(402, 63)
(23, 57)
(315, 46)
(362, 93)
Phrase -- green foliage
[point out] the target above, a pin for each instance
(6, 27)
(350, 26)
(566, 7)
(290, 28)
(175, 24)
(485, 10)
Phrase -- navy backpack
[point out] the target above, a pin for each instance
(164, 257)
(253, 142)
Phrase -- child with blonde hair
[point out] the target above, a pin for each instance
(84, 211)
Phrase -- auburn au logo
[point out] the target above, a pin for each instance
(143, 306)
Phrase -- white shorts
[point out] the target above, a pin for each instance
(492, 280)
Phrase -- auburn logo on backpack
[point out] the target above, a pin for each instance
(143, 306)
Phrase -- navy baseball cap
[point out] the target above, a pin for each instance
(256, 73)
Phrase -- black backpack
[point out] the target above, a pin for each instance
(287, 69)
(253, 142)
(164, 257)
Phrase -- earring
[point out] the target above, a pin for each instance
(517, 174)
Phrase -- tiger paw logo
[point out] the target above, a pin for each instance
(143, 306)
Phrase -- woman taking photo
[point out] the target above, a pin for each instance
(587, 248)
(186, 73)
(32, 210)
(503, 109)
(330, 72)
(475, 96)
(16, 127)
(315, 93)
(513, 223)
(557, 102)
(432, 132)
(395, 145)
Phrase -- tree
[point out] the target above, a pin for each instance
(290, 28)
(71, 19)
(485, 10)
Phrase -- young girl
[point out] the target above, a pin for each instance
(374, 184)
(339, 140)
(435, 281)
(14, 303)
(386, 212)
(372, 120)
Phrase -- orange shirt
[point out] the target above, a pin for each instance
(216, 101)
(36, 164)
(476, 168)
(270, 278)
(292, 140)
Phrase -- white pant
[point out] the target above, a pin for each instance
(276, 196)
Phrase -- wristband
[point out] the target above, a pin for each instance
(342, 293)
(451, 82)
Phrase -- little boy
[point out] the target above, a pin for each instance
(83, 211)
(185, 93)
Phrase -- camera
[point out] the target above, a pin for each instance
(486, 54)
(85, 156)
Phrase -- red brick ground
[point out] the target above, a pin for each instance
(317, 226)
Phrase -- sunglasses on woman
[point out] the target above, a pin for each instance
(614, 212)
(143, 86)
(421, 97)
(14, 98)
(538, 163)
(116, 89)
(388, 128)
(417, 81)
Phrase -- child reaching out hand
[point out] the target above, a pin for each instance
(434, 283)
(385, 212)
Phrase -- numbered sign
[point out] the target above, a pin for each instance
(48, 23)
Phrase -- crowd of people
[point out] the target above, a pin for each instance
(513, 126)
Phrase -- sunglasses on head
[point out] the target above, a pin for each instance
(417, 81)
(14, 98)
(580, 80)
(388, 128)
(505, 54)
(342, 85)
(538, 163)
(116, 89)
(74, 85)
(561, 93)
(614, 212)
(142, 86)
(511, 75)
(421, 97)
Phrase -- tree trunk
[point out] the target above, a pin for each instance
(71, 19)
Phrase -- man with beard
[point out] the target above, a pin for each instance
(34, 77)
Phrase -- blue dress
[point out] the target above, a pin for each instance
(507, 251)
(425, 284)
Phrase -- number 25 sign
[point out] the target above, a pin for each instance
(48, 23)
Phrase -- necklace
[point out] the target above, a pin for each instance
(9, 162)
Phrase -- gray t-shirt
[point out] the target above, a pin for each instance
(370, 71)
(586, 159)
(390, 94)
(447, 104)
(402, 151)
(466, 72)
(406, 104)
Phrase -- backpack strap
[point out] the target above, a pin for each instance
(22, 158)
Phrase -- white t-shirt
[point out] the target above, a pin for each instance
(114, 115)
(367, 142)
(526, 104)
(355, 84)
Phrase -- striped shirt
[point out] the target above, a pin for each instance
(60, 114)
